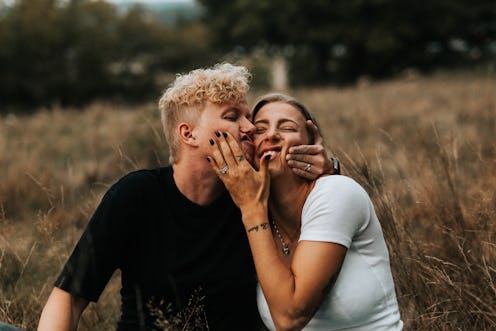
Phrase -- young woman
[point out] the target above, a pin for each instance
(319, 251)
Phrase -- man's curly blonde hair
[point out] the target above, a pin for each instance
(187, 96)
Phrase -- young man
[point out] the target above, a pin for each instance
(174, 231)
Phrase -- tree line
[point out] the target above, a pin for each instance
(74, 51)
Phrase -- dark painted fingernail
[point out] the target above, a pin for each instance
(211, 141)
(224, 134)
(217, 133)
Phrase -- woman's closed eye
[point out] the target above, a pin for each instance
(288, 128)
(260, 129)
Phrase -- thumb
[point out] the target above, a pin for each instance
(316, 133)
(264, 166)
(264, 172)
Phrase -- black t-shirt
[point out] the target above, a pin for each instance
(173, 254)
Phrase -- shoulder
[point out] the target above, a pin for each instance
(339, 187)
(139, 182)
(339, 196)
(335, 210)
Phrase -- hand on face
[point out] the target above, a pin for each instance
(307, 161)
(311, 161)
(247, 186)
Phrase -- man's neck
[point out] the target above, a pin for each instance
(197, 181)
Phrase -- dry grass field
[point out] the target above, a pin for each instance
(423, 147)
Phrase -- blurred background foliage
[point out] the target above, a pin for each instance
(72, 52)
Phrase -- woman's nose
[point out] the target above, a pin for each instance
(272, 135)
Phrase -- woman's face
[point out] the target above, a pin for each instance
(278, 126)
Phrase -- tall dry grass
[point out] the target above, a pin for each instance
(423, 147)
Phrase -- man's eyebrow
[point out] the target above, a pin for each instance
(229, 109)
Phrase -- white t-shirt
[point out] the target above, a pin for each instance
(363, 298)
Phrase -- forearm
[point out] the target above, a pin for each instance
(288, 309)
(61, 312)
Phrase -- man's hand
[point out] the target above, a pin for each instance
(311, 161)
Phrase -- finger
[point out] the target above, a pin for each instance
(304, 149)
(264, 167)
(316, 133)
(235, 147)
(216, 156)
(225, 149)
(304, 174)
(314, 168)
(299, 158)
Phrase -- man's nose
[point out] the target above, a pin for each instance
(247, 127)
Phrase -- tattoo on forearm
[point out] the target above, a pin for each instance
(263, 226)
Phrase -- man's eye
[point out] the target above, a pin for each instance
(288, 128)
(232, 118)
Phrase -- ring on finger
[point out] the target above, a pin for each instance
(308, 167)
(224, 170)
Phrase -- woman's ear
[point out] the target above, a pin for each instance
(185, 132)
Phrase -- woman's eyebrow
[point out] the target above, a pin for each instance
(279, 121)
(284, 120)
(264, 121)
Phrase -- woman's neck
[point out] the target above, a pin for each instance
(287, 197)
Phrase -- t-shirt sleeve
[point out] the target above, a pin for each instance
(100, 250)
(336, 210)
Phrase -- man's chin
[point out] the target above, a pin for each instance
(248, 151)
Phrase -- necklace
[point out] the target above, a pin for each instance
(285, 247)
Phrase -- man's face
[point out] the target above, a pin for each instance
(231, 118)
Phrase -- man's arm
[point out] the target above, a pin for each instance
(61, 312)
(311, 161)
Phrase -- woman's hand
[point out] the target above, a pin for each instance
(311, 161)
(249, 188)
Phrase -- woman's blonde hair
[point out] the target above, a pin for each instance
(187, 96)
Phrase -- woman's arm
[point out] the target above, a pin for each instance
(61, 312)
(293, 292)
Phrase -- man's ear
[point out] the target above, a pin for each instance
(186, 135)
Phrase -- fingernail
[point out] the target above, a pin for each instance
(224, 134)
(211, 141)
(217, 133)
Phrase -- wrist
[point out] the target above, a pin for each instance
(254, 216)
(263, 225)
(333, 167)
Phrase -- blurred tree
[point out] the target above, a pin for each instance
(340, 40)
(72, 52)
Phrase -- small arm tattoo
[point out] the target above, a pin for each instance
(263, 226)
